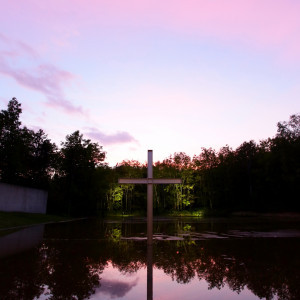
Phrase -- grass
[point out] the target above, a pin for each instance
(126, 214)
(19, 219)
(186, 213)
(173, 213)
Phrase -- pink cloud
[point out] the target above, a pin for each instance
(266, 21)
(44, 78)
(16, 48)
(109, 139)
(265, 25)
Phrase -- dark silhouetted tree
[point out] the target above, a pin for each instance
(77, 180)
(27, 157)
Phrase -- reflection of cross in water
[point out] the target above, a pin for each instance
(149, 272)
(149, 181)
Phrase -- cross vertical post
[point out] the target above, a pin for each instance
(149, 271)
(149, 181)
(150, 198)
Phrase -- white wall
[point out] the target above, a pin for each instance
(22, 199)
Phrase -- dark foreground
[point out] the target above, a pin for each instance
(191, 258)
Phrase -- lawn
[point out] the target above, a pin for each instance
(19, 219)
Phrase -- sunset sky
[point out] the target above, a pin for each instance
(166, 75)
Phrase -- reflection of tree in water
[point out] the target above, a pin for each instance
(26, 282)
(72, 269)
(238, 264)
(57, 271)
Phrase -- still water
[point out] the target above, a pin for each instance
(191, 258)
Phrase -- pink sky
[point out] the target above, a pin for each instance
(167, 75)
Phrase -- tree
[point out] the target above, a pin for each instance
(246, 154)
(179, 196)
(11, 146)
(77, 177)
(42, 160)
(27, 157)
(291, 129)
(206, 163)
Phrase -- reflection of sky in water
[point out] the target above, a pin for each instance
(116, 285)
(103, 260)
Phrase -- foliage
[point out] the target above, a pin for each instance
(260, 176)
(74, 175)
(27, 157)
(77, 178)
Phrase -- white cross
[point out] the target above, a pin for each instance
(149, 181)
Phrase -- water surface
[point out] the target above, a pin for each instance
(191, 258)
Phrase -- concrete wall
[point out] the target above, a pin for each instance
(22, 199)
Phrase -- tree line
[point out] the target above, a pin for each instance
(73, 173)
(262, 176)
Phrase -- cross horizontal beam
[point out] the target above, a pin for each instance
(149, 181)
